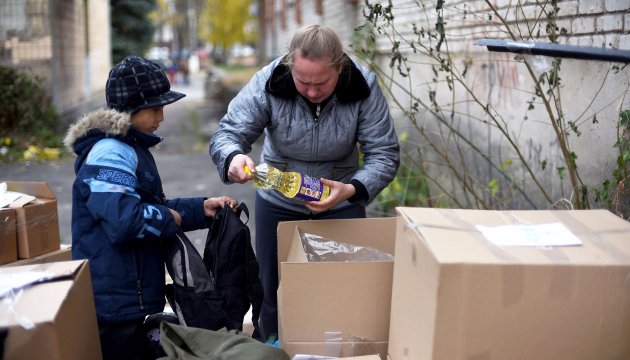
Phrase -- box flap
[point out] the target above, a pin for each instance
(446, 230)
(359, 231)
(28, 299)
(296, 249)
(34, 188)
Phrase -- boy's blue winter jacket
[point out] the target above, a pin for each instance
(120, 216)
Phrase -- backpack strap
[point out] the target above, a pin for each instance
(242, 208)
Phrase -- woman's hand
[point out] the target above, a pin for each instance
(211, 205)
(338, 193)
(236, 172)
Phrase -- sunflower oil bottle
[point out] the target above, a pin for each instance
(291, 184)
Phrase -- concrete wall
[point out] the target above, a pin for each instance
(591, 96)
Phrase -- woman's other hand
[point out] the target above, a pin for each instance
(338, 193)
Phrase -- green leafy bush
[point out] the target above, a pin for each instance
(27, 119)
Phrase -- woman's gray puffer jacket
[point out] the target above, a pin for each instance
(356, 118)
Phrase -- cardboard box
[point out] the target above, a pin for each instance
(63, 254)
(346, 350)
(60, 309)
(319, 357)
(8, 236)
(335, 308)
(457, 295)
(37, 222)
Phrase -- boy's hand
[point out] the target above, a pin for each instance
(177, 217)
(211, 205)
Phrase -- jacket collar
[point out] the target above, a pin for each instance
(351, 86)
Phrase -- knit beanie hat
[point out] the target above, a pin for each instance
(136, 83)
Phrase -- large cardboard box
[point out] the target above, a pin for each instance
(51, 319)
(37, 222)
(8, 236)
(460, 292)
(335, 308)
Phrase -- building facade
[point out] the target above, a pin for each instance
(67, 43)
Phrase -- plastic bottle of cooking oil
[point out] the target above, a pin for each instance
(289, 183)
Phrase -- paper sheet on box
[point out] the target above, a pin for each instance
(13, 199)
(554, 234)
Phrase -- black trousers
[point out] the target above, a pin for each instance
(125, 341)
(267, 217)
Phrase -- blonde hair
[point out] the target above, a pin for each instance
(316, 42)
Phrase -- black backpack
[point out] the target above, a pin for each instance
(217, 290)
(229, 256)
(192, 295)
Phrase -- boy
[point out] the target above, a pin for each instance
(120, 215)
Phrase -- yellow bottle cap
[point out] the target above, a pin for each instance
(247, 171)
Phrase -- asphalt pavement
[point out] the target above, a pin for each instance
(182, 158)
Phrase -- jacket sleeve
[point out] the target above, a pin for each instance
(247, 116)
(378, 140)
(112, 199)
(191, 211)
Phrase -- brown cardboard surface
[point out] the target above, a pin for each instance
(65, 328)
(455, 295)
(37, 222)
(8, 236)
(349, 299)
(354, 351)
(63, 254)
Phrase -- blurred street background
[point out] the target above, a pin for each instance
(183, 161)
(479, 128)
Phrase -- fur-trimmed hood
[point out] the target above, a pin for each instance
(101, 124)
(110, 122)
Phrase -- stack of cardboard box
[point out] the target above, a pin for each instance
(466, 284)
(29, 229)
(47, 308)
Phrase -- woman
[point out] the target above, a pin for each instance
(317, 109)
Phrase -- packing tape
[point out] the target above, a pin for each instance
(485, 355)
(595, 238)
(357, 346)
(361, 346)
(512, 277)
(42, 217)
(561, 277)
(553, 253)
(7, 225)
(495, 250)
(334, 343)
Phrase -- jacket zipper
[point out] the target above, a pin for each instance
(138, 281)
(317, 111)
(316, 131)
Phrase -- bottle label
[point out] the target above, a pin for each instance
(311, 189)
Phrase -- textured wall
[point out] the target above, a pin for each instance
(592, 93)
